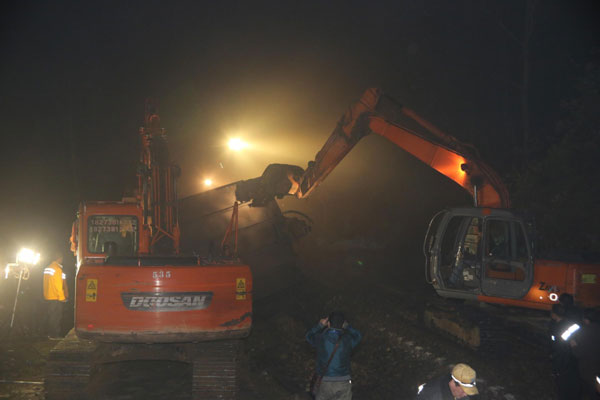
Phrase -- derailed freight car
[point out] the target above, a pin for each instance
(264, 235)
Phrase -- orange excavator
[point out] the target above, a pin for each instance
(483, 253)
(138, 298)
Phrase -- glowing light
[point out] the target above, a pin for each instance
(237, 144)
(6, 271)
(208, 182)
(28, 256)
(553, 297)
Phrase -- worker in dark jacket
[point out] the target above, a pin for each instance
(573, 312)
(330, 332)
(460, 384)
(564, 364)
(585, 345)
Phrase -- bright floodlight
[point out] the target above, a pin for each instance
(208, 182)
(28, 256)
(237, 144)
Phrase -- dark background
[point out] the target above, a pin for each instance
(518, 79)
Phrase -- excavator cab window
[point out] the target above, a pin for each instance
(507, 261)
(522, 252)
(506, 250)
(498, 240)
(120, 231)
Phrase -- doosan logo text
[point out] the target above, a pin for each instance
(174, 301)
(167, 301)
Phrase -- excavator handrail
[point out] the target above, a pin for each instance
(428, 277)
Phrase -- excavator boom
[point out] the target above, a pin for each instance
(378, 113)
(157, 188)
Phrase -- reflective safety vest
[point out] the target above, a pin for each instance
(53, 282)
(566, 334)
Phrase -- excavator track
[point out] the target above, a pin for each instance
(215, 370)
(492, 329)
(73, 361)
(69, 369)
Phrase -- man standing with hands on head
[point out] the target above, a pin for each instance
(334, 340)
(56, 293)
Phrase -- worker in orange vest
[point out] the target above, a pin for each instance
(56, 293)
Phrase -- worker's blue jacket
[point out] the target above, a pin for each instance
(324, 339)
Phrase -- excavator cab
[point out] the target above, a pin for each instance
(478, 251)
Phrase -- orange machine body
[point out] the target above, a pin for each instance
(132, 283)
(550, 279)
(152, 299)
(167, 303)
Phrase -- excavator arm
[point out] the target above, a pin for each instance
(378, 113)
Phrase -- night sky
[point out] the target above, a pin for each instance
(74, 76)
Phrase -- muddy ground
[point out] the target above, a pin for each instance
(379, 298)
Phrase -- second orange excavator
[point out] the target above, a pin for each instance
(483, 253)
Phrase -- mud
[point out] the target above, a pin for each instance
(398, 351)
